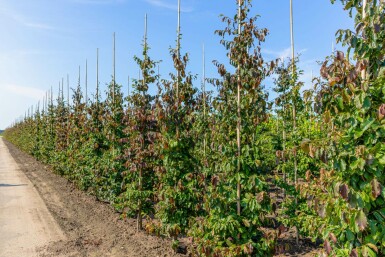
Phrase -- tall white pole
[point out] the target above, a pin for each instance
(204, 97)
(145, 30)
(113, 64)
(364, 4)
(204, 79)
(68, 110)
(239, 118)
(79, 77)
(294, 107)
(292, 33)
(86, 99)
(178, 52)
(97, 76)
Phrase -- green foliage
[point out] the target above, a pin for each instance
(205, 165)
(139, 153)
(225, 231)
(178, 189)
(348, 196)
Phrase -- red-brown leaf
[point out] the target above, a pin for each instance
(344, 191)
(333, 238)
(340, 56)
(327, 247)
(381, 112)
(354, 253)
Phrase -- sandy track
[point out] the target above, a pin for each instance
(26, 225)
(91, 228)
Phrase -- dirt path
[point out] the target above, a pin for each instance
(90, 228)
(26, 225)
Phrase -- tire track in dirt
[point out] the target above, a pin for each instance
(92, 228)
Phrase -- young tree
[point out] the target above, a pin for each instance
(350, 206)
(142, 127)
(238, 203)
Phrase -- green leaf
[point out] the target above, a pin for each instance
(366, 104)
(373, 247)
(358, 133)
(366, 125)
(350, 236)
(358, 164)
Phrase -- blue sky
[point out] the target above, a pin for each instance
(44, 40)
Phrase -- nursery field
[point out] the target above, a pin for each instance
(81, 219)
(227, 173)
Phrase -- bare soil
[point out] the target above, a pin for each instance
(93, 228)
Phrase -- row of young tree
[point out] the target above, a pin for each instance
(186, 163)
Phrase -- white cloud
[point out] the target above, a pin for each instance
(38, 26)
(29, 92)
(98, 1)
(167, 5)
(21, 19)
(281, 54)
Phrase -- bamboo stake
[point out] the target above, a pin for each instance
(128, 86)
(139, 220)
(158, 74)
(97, 77)
(62, 89)
(51, 96)
(46, 101)
(294, 107)
(239, 120)
(68, 92)
(364, 4)
(113, 94)
(113, 68)
(178, 68)
(68, 110)
(42, 105)
(178, 52)
(204, 97)
(86, 99)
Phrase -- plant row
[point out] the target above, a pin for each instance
(231, 170)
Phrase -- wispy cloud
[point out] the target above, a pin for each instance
(24, 21)
(38, 26)
(98, 1)
(29, 92)
(281, 54)
(166, 4)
